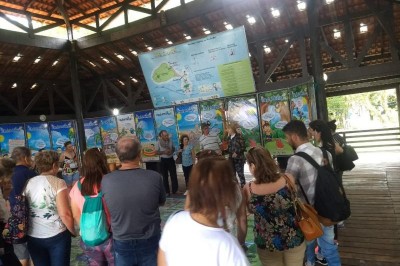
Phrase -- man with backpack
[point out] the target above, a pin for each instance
(306, 177)
(133, 196)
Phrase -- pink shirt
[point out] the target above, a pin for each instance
(79, 200)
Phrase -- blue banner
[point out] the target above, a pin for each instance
(11, 136)
(213, 112)
(215, 66)
(38, 137)
(62, 131)
(165, 120)
(187, 117)
(109, 135)
(92, 133)
(146, 133)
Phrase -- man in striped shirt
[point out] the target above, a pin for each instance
(306, 175)
(209, 142)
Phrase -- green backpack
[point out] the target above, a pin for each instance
(94, 229)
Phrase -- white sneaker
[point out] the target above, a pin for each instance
(186, 192)
(307, 263)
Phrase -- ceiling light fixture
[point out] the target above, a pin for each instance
(91, 63)
(121, 82)
(14, 85)
(275, 12)
(55, 63)
(206, 31)
(251, 19)
(267, 49)
(37, 60)
(115, 111)
(133, 52)
(119, 56)
(105, 59)
(336, 34)
(329, 1)
(134, 80)
(301, 5)
(363, 28)
(33, 86)
(228, 26)
(168, 41)
(16, 58)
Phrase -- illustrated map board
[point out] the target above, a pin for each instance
(215, 66)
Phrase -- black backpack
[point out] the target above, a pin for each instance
(330, 198)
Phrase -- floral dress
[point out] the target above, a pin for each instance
(275, 225)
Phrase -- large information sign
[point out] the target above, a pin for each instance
(212, 67)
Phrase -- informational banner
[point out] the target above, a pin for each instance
(165, 120)
(126, 125)
(213, 112)
(243, 111)
(215, 66)
(109, 136)
(11, 136)
(300, 104)
(275, 114)
(38, 137)
(61, 132)
(92, 133)
(146, 133)
(187, 118)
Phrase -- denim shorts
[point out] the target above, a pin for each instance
(71, 178)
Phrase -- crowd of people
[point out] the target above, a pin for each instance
(212, 228)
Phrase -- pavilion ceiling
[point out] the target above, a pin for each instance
(108, 68)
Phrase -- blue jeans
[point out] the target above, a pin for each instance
(327, 246)
(136, 252)
(52, 251)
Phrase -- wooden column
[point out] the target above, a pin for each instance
(77, 93)
(316, 61)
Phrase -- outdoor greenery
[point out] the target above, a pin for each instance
(369, 110)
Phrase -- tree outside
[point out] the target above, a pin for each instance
(362, 111)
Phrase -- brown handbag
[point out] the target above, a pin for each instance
(306, 215)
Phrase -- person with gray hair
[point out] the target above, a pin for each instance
(133, 196)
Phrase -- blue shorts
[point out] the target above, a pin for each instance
(70, 179)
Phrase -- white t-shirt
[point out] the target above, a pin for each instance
(41, 192)
(186, 242)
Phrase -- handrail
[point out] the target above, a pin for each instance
(362, 137)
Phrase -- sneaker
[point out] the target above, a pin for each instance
(307, 263)
(321, 261)
(185, 194)
(340, 224)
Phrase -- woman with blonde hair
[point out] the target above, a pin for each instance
(51, 222)
(212, 196)
(277, 235)
(94, 168)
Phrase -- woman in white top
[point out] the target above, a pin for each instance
(198, 236)
(51, 222)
